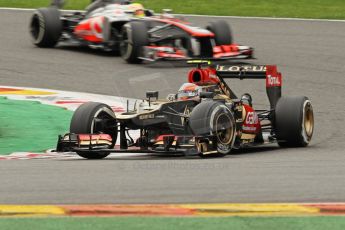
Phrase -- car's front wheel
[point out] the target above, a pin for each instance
(134, 38)
(94, 118)
(222, 32)
(211, 118)
(46, 27)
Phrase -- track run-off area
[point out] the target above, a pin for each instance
(310, 55)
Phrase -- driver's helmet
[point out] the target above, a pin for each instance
(247, 99)
(138, 9)
(189, 91)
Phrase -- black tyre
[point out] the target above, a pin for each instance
(93, 118)
(294, 121)
(214, 118)
(222, 32)
(134, 37)
(46, 27)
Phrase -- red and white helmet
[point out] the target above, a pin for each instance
(188, 91)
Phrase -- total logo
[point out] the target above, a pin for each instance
(273, 81)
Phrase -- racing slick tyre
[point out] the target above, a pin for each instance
(134, 37)
(94, 118)
(46, 27)
(222, 32)
(294, 121)
(215, 119)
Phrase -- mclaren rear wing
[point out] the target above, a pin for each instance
(268, 72)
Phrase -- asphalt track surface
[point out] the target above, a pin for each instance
(310, 55)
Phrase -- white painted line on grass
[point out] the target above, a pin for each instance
(262, 18)
(212, 16)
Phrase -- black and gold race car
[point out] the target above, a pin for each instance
(204, 118)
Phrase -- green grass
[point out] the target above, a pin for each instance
(30, 126)
(167, 223)
(330, 9)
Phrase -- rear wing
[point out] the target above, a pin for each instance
(251, 72)
(268, 72)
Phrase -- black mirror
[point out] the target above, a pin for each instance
(206, 94)
(152, 94)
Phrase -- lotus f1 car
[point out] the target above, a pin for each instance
(136, 33)
(209, 121)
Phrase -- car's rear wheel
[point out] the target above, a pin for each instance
(46, 27)
(222, 32)
(215, 119)
(94, 118)
(134, 38)
(294, 121)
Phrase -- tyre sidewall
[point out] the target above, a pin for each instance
(202, 122)
(222, 32)
(222, 110)
(289, 121)
(50, 27)
(83, 119)
(136, 33)
(82, 123)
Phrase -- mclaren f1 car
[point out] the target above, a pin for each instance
(134, 32)
(204, 118)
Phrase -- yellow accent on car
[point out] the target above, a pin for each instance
(199, 62)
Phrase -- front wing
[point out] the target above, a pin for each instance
(224, 52)
(166, 144)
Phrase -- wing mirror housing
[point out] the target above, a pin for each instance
(152, 94)
(206, 95)
(167, 11)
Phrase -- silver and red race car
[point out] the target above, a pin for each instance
(204, 118)
(134, 32)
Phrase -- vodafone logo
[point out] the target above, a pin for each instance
(273, 81)
(97, 27)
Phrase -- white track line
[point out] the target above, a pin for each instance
(213, 16)
(71, 101)
(29, 9)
